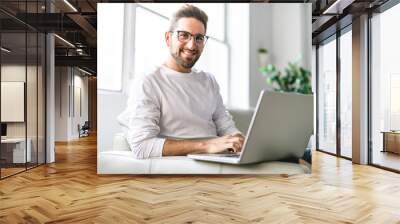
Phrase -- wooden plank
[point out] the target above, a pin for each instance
(70, 191)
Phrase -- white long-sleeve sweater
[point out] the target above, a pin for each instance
(170, 104)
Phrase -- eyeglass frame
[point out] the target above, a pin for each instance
(191, 37)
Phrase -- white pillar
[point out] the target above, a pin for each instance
(50, 99)
(360, 90)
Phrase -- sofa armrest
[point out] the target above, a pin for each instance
(120, 143)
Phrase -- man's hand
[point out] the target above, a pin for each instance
(215, 145)
(234, 141)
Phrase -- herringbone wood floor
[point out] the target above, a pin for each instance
(70, 191)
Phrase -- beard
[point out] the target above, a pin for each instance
(184, 61)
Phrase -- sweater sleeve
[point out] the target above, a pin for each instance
(140, 121)
(221, 117)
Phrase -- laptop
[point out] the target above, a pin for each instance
(280, 128)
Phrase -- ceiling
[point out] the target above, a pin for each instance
(76, 22)
(77, 25)
(332, 15)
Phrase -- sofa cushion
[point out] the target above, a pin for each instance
(123, 162)
(275, 167)
(120, 143)
(242, 119)
(182, 165)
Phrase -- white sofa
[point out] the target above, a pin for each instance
(120, 160)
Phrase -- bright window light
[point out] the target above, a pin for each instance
(150, 47)
(327, 97)
(110, 24)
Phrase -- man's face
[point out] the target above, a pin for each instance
(187, 53)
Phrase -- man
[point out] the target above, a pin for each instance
(177, 110)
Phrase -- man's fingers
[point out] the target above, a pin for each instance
(232, 144)
(235, 146)
(238, 135)
(238, 147)
(236, 140)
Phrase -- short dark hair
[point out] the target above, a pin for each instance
(188, 11)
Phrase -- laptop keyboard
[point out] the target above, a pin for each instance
(223, 155)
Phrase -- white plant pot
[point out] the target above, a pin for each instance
(263, 59)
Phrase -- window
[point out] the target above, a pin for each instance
(394, 102)
(346, 94)
(327, 97)
(22, 77)
(385, 86)
(110, 40)
(149, 38)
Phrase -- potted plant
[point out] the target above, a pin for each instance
(294, 79)
(263, 57)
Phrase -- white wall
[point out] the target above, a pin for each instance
(61, 103)
(15, 73)
(79, 117)
(238, 39)
(291, 34)
(67, 81)
(260, 37)
(285, 30)
(34, 124)
(18, 73)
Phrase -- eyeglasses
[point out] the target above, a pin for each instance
(185, 37)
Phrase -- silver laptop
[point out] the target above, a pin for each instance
(280, 128)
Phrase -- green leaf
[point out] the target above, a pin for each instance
(294, 79)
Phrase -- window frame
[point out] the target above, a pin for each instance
(334, 37)
(380, 9)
